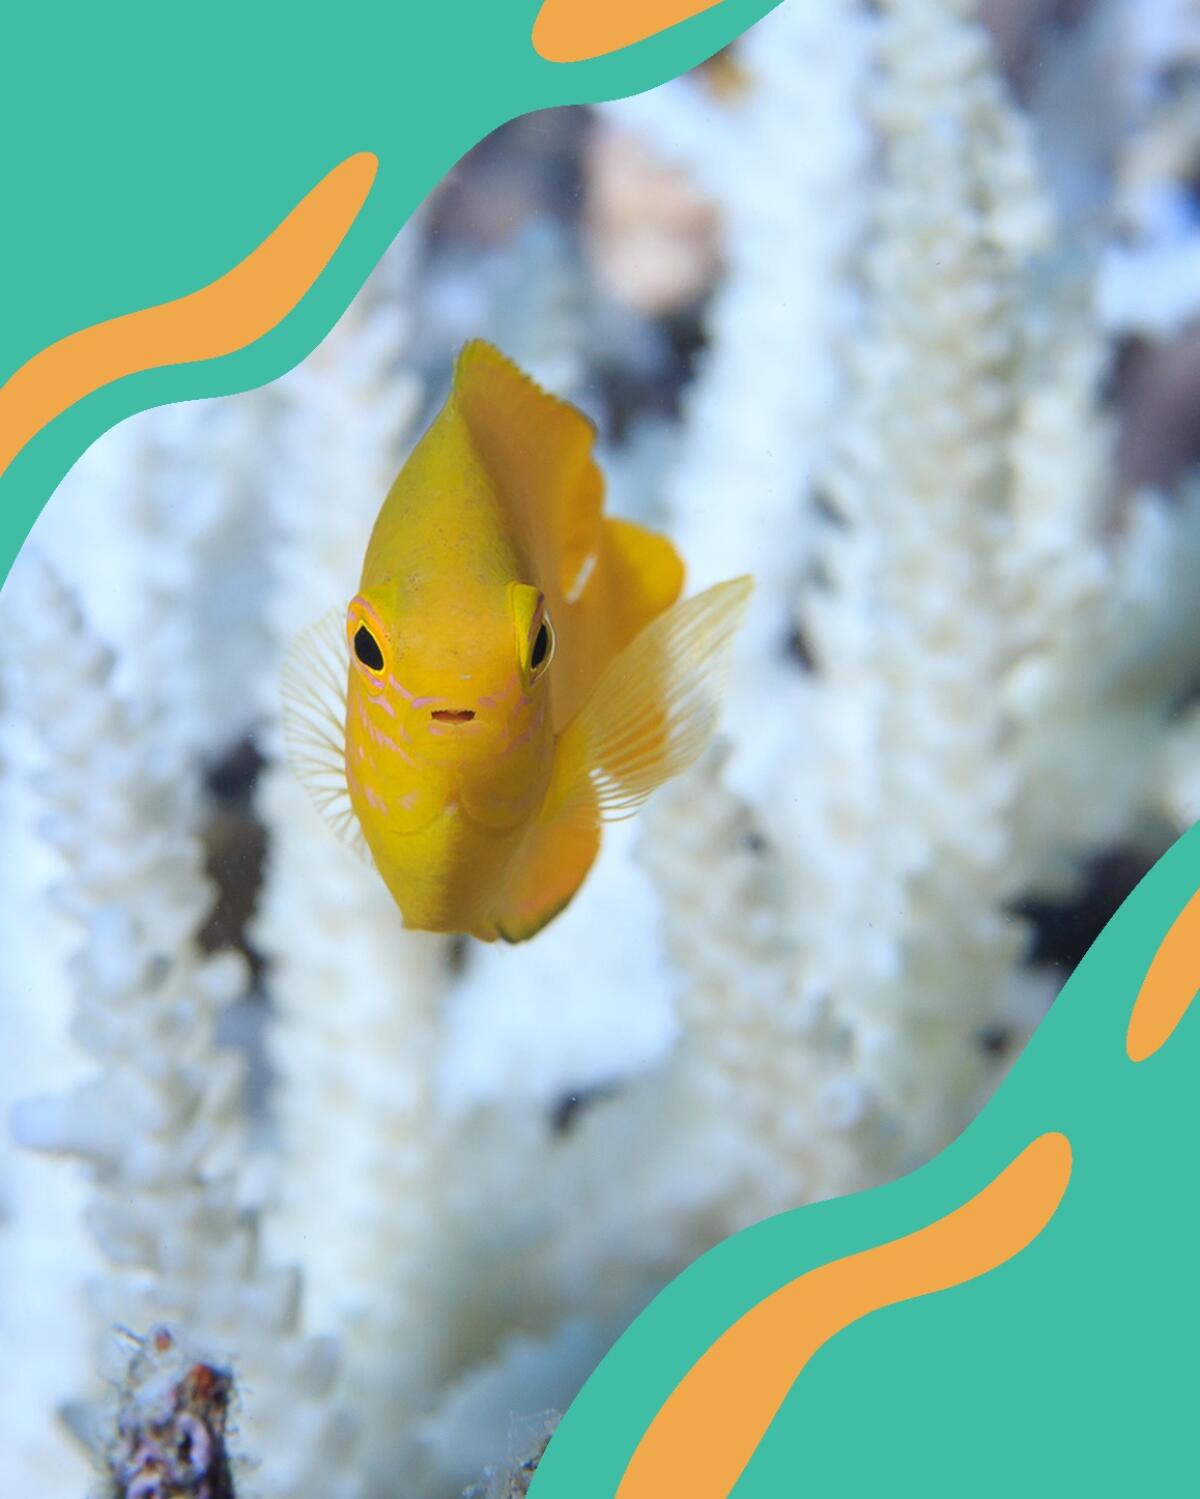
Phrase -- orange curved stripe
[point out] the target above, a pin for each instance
(1169, 987)
(574, 30)
(705, 1434)
(227, 314)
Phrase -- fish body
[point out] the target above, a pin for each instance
(519, 667)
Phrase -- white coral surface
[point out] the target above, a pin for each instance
(159, 1122)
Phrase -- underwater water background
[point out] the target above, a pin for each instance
(880, 307)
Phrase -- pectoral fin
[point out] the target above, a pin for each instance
(313, 692)
(653, 710)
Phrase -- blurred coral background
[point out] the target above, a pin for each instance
(893, 305)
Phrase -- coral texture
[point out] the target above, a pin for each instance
(907, 364)
(159, 1123)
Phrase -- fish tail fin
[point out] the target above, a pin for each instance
(653, 710)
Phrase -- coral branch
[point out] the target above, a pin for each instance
(160, 1124)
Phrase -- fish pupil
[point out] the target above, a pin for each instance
(540, 646)
(366, 648)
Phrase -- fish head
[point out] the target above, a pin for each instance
(464, 678)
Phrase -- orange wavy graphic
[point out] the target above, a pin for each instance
(1169, 987)
(227, 314)
(707, 1430)
(573, 31)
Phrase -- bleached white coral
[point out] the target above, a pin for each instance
(1103, 608)
(501, 1411)
(1150, 277)
(525, 296)
(784, 162)
(355, 995)
(490, 1160)
(1180, 772)
(907, 789)
(45, 1345)
(987, 648)
(977, 633)
(161, 530)
(522, 1024)
(159, 1123)
(760, 1055)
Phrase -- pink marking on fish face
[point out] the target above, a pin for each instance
(376, 698)
(400, 688)
(382, 739)
(407, 801)
(535, 722)
(497, 700)
(363, 609)
(374, 799)
(423, 702)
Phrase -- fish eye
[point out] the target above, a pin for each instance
(366, 648)
(543, 647)
(540, 646)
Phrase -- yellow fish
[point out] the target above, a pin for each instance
(514, 670)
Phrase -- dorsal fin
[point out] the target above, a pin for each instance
(539, 452)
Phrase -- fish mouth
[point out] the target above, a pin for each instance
(453, 715)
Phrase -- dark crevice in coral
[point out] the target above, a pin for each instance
(995, 1041)
(1064, 930)
(525, 165)
(631, 392)
(566, 1112)
(797, 649)
(235, 845)
(231, 779)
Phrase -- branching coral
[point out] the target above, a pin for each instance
(159, 1123)
(988, 635)
(161, 531)
(957, 687)
(1151, 280)
(785, 161)
(367, 1203)
(355, 995)
(45, 1347)
(905, 796)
